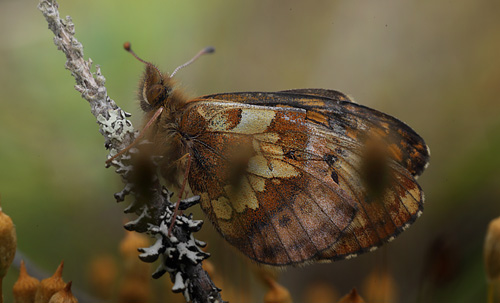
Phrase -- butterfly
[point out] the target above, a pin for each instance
(292, 176)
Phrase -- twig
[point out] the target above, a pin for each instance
(180, 253)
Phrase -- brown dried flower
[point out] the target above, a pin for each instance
(320, 291)
(48, 287)
(276, 292)
(136, 283)
(492, 250)
(64, 295)
(492, 260)
(8, 244)
(102, 275)
(134, 289)
(379, 286)
(352, 297)
(24, 290)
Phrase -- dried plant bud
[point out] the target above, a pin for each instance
(24, 290)
(265, 273)
(8, 243)
(492, 260)
(492, 250)
(133, 266)
(102, 275)
(276, 293)
(136, 285)
(320, 292)
(131, 242)
(133, 290)
(379, 286)
(352, 297)
(48, 287)
(64, 295)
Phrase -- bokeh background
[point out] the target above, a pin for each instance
(433, 64)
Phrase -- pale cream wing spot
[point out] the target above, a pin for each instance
(253, 121)
(257, 183)
(219, 122)
(273, 150)
(265, 143)
(267, 137)
(281, 169)
(242, 196)
(222, 208)
(257, 165)
(260, 166)
(209, 111)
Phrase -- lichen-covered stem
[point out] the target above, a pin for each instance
(113, 125)
(118, 133)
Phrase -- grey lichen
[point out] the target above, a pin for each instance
(180, 252)
(116, 126)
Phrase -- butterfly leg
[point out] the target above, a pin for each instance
(183, 186)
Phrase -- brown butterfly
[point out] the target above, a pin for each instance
(292, 176)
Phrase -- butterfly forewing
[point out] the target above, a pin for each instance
(285, 178)
(346, 120)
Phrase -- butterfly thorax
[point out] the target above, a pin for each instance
(157, 91)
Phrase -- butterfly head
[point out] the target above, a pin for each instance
(155, 87)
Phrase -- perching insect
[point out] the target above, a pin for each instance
(291, 176)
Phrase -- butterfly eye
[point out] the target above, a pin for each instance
(157, 94)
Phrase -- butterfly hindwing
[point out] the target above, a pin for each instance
(286, 177)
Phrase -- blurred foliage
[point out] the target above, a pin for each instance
(432, 64)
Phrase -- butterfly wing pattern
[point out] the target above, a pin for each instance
(291, 177)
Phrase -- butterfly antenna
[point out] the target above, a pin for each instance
(206, 50)
(128, 47)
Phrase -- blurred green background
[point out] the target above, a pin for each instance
(433, 64)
